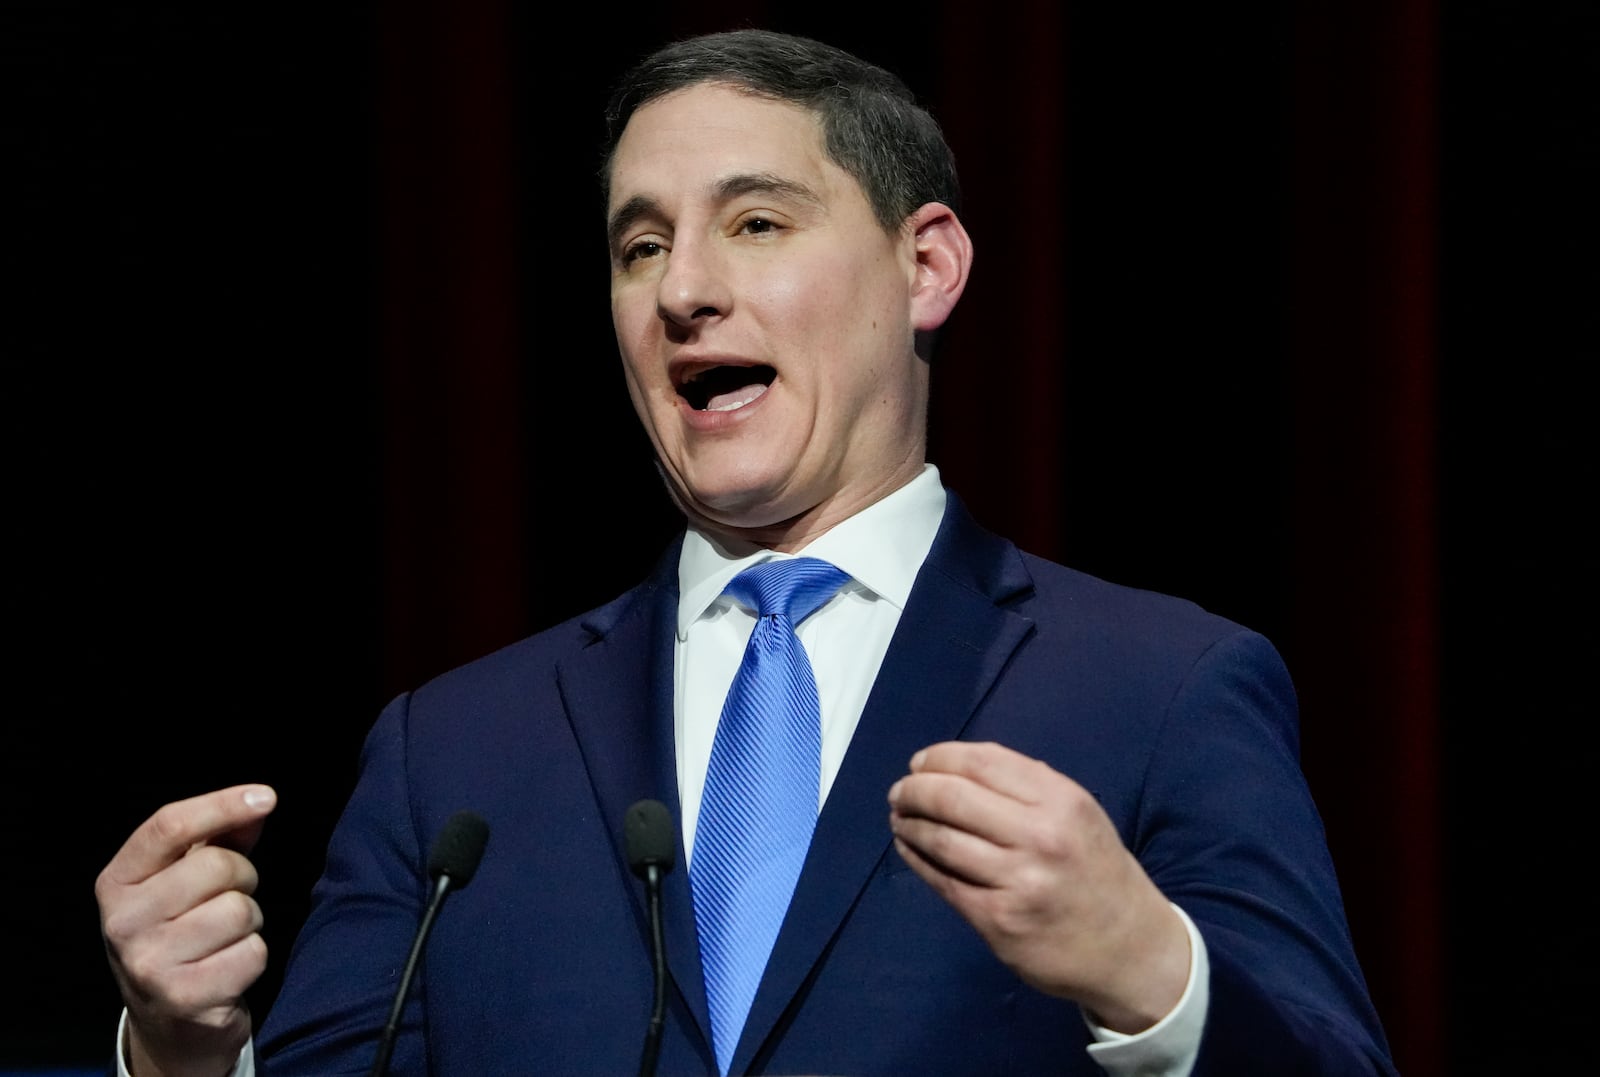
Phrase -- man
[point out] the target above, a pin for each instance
(1101, 856)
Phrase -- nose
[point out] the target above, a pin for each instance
(694, 286)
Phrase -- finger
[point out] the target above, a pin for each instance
(216, 982)
(952, 852)
(959, 801)
(941, 880)
(205, 872)
(931, 873)
(991, 765)
(210, 928)
(200, 875)
(241, 839)
(230, 816)
(157, 961)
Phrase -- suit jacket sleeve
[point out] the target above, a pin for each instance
(1227, 828)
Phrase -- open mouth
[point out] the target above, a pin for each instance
(725, 388)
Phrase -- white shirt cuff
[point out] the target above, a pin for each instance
(1169, 1047)
(244, 1067)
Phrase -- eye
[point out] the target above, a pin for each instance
(646, 248)
(757, 226)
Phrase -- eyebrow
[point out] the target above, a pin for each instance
(765, 183)
(730, 187)
(630, 211)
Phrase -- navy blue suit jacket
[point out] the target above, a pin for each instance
(1181, 723)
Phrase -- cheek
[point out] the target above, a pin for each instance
(630, 376)
(811, 309)
(636, 366)
(645, 405)
(635, 344)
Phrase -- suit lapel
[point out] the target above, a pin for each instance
(618, 694)
(953, 640)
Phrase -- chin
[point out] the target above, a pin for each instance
(737, 492)
(741, 512)
(740, 508)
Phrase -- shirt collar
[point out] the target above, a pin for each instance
(882, 547)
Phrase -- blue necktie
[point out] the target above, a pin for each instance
(760, 802)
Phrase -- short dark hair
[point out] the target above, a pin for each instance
(872, 125)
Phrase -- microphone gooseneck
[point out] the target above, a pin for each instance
(647, 830)
(451, 864)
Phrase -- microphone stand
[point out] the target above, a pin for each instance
(658, 951)
(386, 1047)
(648, 833)
(452, 861)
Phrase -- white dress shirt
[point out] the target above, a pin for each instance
(881, 548)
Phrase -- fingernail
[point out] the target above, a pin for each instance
(916, 760)
(894, 792)
(259, 797)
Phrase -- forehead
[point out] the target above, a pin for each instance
(691, 138)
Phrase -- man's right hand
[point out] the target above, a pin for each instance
(183, 932)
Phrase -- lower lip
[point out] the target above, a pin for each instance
(714, 421)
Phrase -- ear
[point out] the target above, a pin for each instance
(943, 253)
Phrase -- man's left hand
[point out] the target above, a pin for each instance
(1032, 861)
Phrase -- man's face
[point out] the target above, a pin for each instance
(763, 315)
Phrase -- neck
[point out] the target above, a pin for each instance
(795, 533)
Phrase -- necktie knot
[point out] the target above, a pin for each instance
(792, 587)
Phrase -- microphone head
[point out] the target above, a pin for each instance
(458, 848)
(647, 829)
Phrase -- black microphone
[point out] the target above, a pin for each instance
(647, 829)
(451, 864)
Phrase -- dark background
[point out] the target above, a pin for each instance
(1285, 307)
